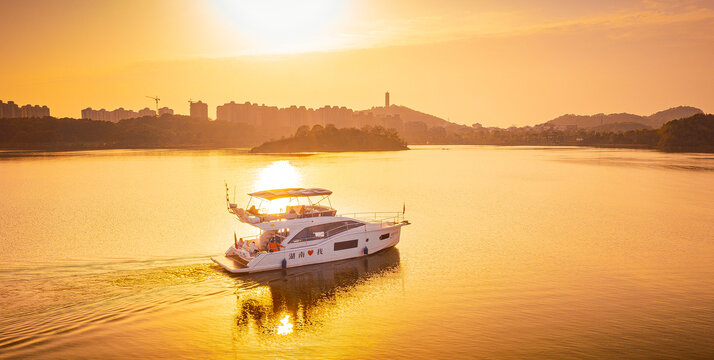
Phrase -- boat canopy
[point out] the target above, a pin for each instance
(289, 192)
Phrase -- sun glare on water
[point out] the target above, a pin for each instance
(286, 327)
(283, 26)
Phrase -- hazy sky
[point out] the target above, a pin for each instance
(494, 62)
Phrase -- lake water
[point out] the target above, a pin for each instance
(513, 252)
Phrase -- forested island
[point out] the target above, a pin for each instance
(691, 134)
(332, 139)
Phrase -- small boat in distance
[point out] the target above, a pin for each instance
(302, 230)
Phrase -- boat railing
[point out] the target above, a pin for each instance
(385, 218)
(246, 216)
(249, 238)
(317, 213)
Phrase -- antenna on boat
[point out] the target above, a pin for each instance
(228, 201)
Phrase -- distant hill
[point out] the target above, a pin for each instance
(409, 115)
(590, 121)
(655, 120)
(658, 119)
(619, 127)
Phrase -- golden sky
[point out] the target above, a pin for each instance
(499, 63)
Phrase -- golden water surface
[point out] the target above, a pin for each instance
(512, 253)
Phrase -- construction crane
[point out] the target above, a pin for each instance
(156, 98)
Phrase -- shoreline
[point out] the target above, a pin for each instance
(66, 148)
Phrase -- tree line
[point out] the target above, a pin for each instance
(694, 134)
(145, 132)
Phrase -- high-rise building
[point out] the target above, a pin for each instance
(117, 114)
(10, 110)
(199, 110)
(284, 121)
(146, 112)
(386, 99)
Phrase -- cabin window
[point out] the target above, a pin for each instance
(384, 236)
(342, 245)
(322, 231)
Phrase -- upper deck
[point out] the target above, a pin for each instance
(296, 203)
(292, 208)
(254, 216)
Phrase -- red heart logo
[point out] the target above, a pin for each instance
(309, 252)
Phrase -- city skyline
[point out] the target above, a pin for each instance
(12, 110)
(498, 64)
(287, 119)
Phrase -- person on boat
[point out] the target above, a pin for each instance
(253, 210)
(274, 245)
(291, 213)
(264, 240)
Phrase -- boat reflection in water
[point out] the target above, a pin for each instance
(284, 301)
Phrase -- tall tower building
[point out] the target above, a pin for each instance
(386, 99)
(199, 110)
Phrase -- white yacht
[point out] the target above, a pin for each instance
(306, 230)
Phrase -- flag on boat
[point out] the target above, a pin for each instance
(404, 207)
(235, 239)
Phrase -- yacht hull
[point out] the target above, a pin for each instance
(347, 245)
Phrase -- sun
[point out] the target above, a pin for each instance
(284, 26)
(277, 175)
